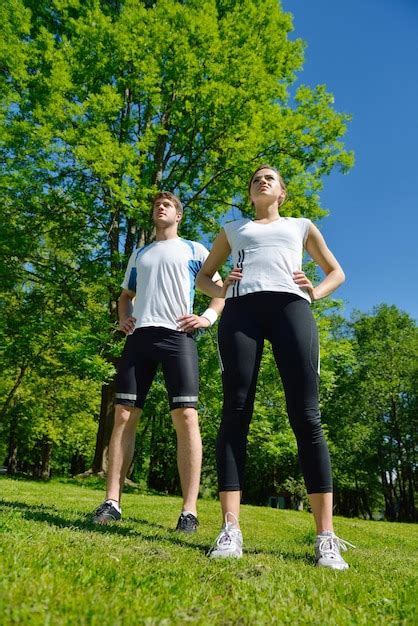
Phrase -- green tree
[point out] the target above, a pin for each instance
(373, 416)
(106, 102)
(50, 368)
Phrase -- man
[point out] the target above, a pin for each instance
(160, 279)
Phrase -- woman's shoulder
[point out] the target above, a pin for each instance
(297, 220)
(301, 226)
(230, 227)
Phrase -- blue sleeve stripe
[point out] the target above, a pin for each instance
(132, 280)
(194, 267)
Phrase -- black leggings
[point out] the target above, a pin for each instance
(286, 320)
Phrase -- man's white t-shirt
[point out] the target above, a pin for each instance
(268, 254)
(162, 275)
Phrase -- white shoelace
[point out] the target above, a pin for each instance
(330, 545)
(225, 537)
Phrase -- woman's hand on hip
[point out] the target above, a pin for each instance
(303, 282)
(232, 278)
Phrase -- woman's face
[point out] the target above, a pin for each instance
(265, 184)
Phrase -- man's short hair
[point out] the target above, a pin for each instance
(168, 196)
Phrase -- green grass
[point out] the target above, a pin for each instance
(57, 568)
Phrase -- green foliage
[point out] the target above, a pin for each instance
(372, 414)
(103, 103)
(188, 96)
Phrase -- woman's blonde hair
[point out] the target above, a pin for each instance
(265, 166)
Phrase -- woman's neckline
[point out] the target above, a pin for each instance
(278, 219)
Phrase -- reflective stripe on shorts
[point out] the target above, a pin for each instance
(184, 399)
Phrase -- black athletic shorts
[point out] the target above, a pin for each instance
(144, 351)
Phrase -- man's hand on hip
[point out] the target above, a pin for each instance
(189, 323)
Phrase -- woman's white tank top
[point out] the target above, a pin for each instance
(268, 254)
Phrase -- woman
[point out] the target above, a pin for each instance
(268, 297)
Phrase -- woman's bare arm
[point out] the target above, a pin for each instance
(322, 255)
(217, 257)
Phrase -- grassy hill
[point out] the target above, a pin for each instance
(57, 568)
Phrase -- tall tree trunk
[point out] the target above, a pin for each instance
(46, 458)
(366, 503)
(131, 237)
(412, 512)
(152, 460)
(387, 493)
(140, 445)
(399, 463)
(12, 449)
(12, 392)
(105, 428)
(78, 464)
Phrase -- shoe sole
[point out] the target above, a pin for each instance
(104, 522)
(225, 556)
(336, 567)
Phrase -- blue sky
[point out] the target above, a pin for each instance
(366, 52)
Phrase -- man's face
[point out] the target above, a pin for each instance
(165, 213)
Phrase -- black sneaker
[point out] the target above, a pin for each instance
(106, 513)
(187, 523)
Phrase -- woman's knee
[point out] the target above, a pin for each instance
(306, 424)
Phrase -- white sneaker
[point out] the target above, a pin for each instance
(228, 543)
(327, 550)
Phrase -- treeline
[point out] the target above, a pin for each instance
(369, 408)
(103, 103)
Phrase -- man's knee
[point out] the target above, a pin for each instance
(185, 418)
(126, 415)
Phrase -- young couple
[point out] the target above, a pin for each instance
(266, 296)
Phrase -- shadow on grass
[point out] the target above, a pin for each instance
(51, 515)
(283, 555)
